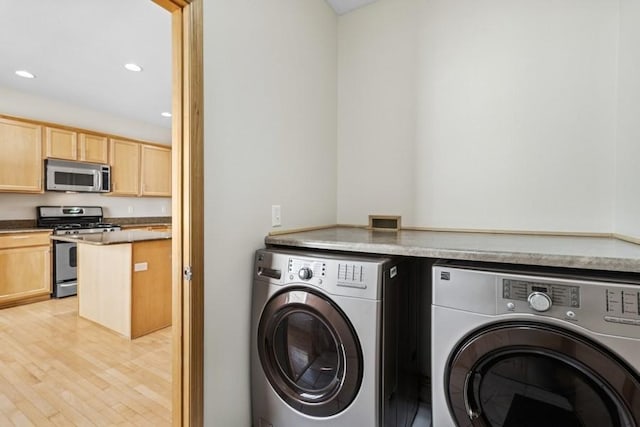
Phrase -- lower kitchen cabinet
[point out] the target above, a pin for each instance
(126, 287)
(25, 268)
(151, 287)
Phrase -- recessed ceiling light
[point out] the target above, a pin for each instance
(165, 114)
(25, 74)
(133, 67)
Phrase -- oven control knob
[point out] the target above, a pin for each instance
(305, 273)
(539, 301)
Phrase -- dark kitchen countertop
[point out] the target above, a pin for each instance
(29, 225)
(19, 225)
(597, 253)
(145, 220)
(114, 237)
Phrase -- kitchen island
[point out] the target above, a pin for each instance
(124, 280)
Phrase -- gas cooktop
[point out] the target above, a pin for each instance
(73, 219)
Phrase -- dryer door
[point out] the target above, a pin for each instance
(523, 374)
(309, 352)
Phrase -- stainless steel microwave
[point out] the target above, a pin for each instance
(63, 175)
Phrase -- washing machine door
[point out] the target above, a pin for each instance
(531, 375)
(309, 352)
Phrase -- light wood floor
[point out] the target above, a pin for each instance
(59, 370)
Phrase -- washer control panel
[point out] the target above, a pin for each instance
(622, 306)
(540, 295)
(306, 270)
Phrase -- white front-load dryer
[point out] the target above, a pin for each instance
(534, 347)
(326, 344)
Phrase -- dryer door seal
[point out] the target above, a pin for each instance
(530, 374)
(309, 352)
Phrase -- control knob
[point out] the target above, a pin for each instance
(305, 273)
(539, 301)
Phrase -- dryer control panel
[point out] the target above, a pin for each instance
(560, 295)
(606, 307)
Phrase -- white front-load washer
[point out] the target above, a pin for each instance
(534, 347)
(328, 343)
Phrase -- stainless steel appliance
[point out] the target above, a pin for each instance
(64, 175)
(534, 347)
(332, 342)
(70, 220)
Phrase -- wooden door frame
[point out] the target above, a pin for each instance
(187, 212)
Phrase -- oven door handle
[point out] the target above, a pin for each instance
(67, 285)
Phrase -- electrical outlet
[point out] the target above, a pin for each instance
(164, 209)
(276, 219)
(130, 209)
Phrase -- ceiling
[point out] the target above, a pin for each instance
(344, 6)
(77, 50)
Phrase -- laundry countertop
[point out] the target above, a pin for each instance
(597, 253)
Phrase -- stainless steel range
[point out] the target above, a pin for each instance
(70, 220)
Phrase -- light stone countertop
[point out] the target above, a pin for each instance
(114, 237)
(598, 253)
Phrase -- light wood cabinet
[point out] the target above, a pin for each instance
(139, 169)
(60, 143)
(25, 268)
(70, 145)
(93, 148)
(21, 160)
(151, 287)
(126, 287)
(155, 171)
(124, 157)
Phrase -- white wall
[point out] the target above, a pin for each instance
(628, 150)
(377, 77)
(514, 122)
(34, 107)
(22, 206)
(270, 138)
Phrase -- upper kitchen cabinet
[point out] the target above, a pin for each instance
(124, 157)
(139, 169)
(155, 171)
(93, 148)
(71, 145)
(21, 160)
(60, 143)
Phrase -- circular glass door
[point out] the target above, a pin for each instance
(309, 352)
(531, 375)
